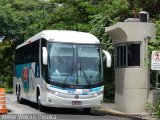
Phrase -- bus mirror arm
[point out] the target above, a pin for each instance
(108, 58)
(45, 54)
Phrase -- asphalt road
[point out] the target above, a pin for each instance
(31, 109)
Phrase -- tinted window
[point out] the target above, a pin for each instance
(28, 53)
(128, 54)
(133, 54)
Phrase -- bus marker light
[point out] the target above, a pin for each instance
(95, 94)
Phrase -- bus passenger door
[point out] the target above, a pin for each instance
(32, 80)
(34, 75)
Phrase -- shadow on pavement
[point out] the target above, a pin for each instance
(70, 111)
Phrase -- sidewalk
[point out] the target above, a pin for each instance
(109, 108)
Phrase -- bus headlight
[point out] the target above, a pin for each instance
(95, 94)
(50, 90)
(56, 93)
(98, 93)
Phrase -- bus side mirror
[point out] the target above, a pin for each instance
(107, 58)
(44, 55)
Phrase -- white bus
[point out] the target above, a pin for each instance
(59, 68)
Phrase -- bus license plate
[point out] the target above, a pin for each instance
(76, 102)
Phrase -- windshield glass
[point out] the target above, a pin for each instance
(71, 64)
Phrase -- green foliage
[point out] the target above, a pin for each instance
(154, 111)
(109, 12)
(150, 109)
(158, 110)
(154, 44)
(6, 64)
(152, 6)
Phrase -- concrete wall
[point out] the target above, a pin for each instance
(131, 89)
(132, 83)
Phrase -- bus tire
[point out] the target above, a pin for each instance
(40, 106)
(19, 99)
(87, 110)
(16, 89)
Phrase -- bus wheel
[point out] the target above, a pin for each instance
(40, 106)
(87, 110)
(17, 93)
(19, 99)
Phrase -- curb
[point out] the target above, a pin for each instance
(135, 116)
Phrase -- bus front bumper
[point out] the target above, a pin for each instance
(53, 100)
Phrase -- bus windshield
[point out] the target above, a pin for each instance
(74, 65)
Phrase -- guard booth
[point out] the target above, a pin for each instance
(130, 40)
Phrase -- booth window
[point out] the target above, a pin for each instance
(127, 55)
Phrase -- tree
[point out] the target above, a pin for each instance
(15, 17)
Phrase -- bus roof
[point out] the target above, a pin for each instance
(65, 36)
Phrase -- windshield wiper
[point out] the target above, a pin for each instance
(65, 80)
(85, 75)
